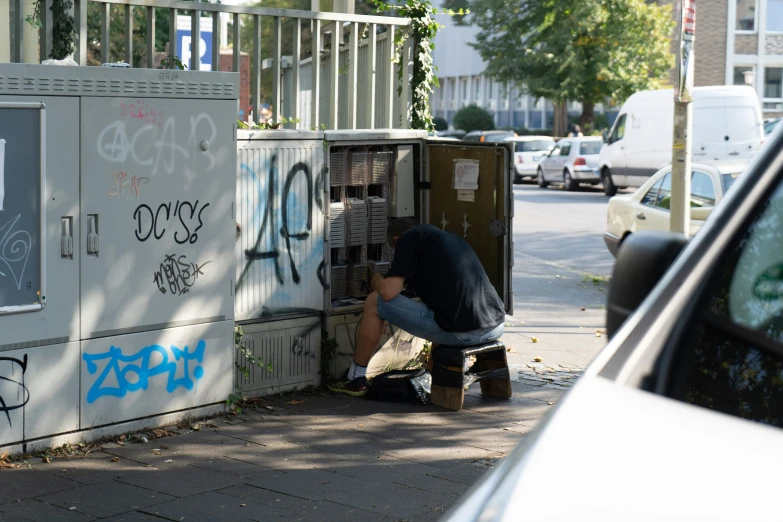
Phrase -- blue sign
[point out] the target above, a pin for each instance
(184, 42)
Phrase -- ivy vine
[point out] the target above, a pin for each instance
(63, 27)
(422, 30)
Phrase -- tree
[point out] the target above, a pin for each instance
(580, 50)
(472, 118)
(440, 123)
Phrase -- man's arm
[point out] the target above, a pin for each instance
(388, 288)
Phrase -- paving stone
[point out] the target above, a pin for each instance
(26, 483)
(433, 484)
(286, 456)
(4, 517)
(181, 481)
(431, 516)
(516, 408)
(133, 516)
(95, 468)
(37, 511)
(380, 469)
(302, 509)
(467, 473)
(314, 484)
(106, 499)
(348, 442)
(492, 439)
(234, 467)
(182, 450)
(441, 453)
(386, 501)
(216, 507)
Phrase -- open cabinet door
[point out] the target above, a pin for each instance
(482, 210)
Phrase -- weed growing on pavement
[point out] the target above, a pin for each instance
(328, 355)
(247, 357)
(596, 280)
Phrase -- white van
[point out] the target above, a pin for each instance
(727, 124)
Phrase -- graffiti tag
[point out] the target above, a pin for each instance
(148, 221)
(141, 111)
(19, 396)
(15, 249)
(177, 274)
(133, 372)
(126, 185)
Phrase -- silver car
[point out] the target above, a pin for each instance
(571, 162)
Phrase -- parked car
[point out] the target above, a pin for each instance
(571, 162)
(456, 134)
(727, 124)
(770, 126)
(489, 136)
(648, 207)
(680, 417)
(528, 152)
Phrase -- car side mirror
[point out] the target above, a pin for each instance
(700, 213)
(605, 134)
(643, 259)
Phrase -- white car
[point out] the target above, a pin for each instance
(528, 152)
(680, 417)
(648, 207)
(571, 162)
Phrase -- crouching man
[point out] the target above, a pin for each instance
(459, 306)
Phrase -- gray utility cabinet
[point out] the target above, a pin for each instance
(136, 214)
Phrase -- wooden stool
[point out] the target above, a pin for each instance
(450, 377)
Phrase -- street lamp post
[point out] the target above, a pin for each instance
(679, 213)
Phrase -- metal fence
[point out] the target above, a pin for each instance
(365, 96)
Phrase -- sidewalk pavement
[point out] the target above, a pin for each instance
(321, 457)
(302, 457)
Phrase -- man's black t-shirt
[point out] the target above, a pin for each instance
(448, 277)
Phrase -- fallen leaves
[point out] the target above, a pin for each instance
(295, 402)
(115, 459)
(534, 339)
(538, 359)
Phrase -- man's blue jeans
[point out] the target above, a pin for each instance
(416, 318)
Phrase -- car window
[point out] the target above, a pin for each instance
(619, 129)
(664, 199)
(728, 180)
(534, 146)
(590, 147)
(471, 137)
(565, 149)
(702, 190)
(497, 136)
(651, 197)
(555, 151)
(730, 358)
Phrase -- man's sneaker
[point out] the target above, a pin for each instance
(354, 388)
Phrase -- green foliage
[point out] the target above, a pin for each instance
(422, 31)
(63, 29)
(440, 124)
(472, 118)
(267, 125)
(116, 42)
(172, 62)
(247, 356)
(581, 50)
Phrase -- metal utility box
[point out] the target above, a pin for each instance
(279, 250)
(123, 245)
(376, 176)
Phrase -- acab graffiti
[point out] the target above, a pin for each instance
(121, 374)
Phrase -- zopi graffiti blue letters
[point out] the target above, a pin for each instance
(133, 372)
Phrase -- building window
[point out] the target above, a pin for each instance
(463, 87)
(773, 82)
(477, 87)
(775, 16)
(746, 15)
(743, 75)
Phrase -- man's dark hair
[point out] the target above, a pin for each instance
(400, 226)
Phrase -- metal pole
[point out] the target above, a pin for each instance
(679, 210)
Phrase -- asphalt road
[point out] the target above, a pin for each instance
(560, 276)
(564, 228)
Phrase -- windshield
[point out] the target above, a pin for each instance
(535, 146)
(497, 136)
(590, 147)
(728, 180)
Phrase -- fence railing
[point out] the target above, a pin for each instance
(352, 35)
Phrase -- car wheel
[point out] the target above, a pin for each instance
(568, 182)
(541, 181)
(517, 179)
(609, 188)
